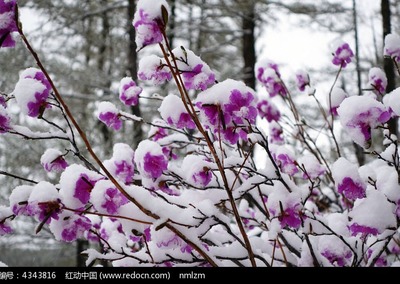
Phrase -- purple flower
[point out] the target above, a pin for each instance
(342, 54)
(148, 22)
(392, 46)
(157, 133)
(302, 80)
(175, 113)
(198, 79)
(5, 214)
(268, 75)
(155, 165)
(7, 22)
(291, 217)
(153, 69)
(364, 230)
(240, 107)
(73, 227)
(4, 120)
(44, 202)
(53, 160)
(377, 79)
(113, 200)
(3, 102)
(350, 189)
(336, 258)
(287, 164)
(129, 92)
(36, 74)
(276, 133)
(83, 187)
(203, 177)
(268, 110)
(109, 115)
(359, 121)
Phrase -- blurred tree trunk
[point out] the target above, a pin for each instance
(248, 45)
(358, 149)
(387, 62)
(132, 70)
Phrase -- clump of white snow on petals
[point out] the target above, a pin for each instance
(374, 211)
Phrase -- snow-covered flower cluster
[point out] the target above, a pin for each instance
(7, 22)
(193, 193)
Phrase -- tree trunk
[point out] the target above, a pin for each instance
(358, 149)
(248, 41)
(132, 70)
(387, 62)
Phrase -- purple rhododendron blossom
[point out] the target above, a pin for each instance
(335, 258)
(268, 110)
(5, 214)
(240, 107)
(53, 160)
(197, 79)
(290, 217)
(268, 75)
(155, 165)
(203, 177)
(129, 92)
(286, 164)
(113, 200)
(45, 210)
(109, 115)
(154, 69)
(392, 46)
(231, 115)
(342, 54)
(125, 169)
(7, 22)
(377, 79)
(36, 74)
(276, 133)
(4, 120)
(364, 230)
(148, 22)
(302, 80)
(37, 107)
(358, 122)
(74, 227)
(173, 111)
(350, 189)
(83, 187)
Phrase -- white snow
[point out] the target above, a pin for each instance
(374, 211)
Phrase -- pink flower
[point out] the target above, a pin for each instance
(129, 92)
(7, 22)
(122, 164)
(148, 22)
(173, 111)
(268, 110)
(109, 115)
(342, 54)
(69, 227)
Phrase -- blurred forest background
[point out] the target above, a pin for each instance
(88, 47)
